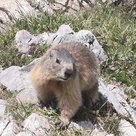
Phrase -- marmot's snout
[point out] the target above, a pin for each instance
(68, 73)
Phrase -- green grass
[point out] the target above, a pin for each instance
(114, 28)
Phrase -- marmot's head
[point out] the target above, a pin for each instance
(60, 64)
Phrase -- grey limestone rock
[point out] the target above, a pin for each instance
(8, 126)
(4, 121)
(27, 97)
(111, 93)
(26, 133)
(86, 125)
(25, 42)
(11, 129)
(133, 103)
(87, 128)
(1, 68)
(37, 124)
(126, 129)
(2, 107)
(10, 10)
(17, 79)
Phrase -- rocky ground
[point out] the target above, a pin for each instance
(20, 114)
(33, 121)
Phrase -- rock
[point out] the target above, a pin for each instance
(126, 129)
(133, 103)
(91, 42)
(123, 102)
(118, 102)
(64, 29)
(27, 68)
(43, 6)
(65, 35)
(97, 132)
(11, 129)
(2, 107)
(59, 36)
(26, 133)
(41, 38)
(27, 97)
(67, 6)
(87, 128)
(17, 79)
(134, 9)
(25, 42)
(74, 126)
(86, 125)
(12, 9)
(112, 99)
(37, 124)
(17, 7)
(57, 5)
(117, 88)
(4, 121)
(8, 126)
(1, 68)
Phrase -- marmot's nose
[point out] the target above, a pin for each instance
(68, 73)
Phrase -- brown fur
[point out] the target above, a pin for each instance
(82, 84)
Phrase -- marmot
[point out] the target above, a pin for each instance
(70, 72)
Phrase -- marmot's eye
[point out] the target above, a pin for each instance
(58, 61)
